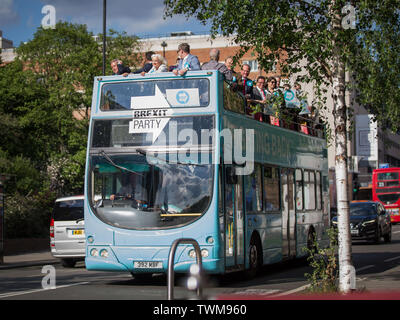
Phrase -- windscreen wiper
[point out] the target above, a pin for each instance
(109, 160)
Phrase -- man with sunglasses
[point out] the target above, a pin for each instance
(187, 62)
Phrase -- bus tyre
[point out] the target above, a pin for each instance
(68, 263)
(254, 258)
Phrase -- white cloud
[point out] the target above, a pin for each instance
(132, 16)
(8, 15)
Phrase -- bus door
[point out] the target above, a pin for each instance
(288, 215)
(234, 219)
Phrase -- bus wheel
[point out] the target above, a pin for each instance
(254, 258)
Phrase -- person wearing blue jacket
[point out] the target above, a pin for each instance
(187, 62)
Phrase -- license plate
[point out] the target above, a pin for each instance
(78, 232)
(148, 264)
(354, 232)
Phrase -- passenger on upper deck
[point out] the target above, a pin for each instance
(244, 84)
(213, 64)
(118, 68)
(147, 64)
(159, 64)
(271, 94)
(188, 62)
(259, 99)
(229, 65)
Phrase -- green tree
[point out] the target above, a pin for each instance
(43, 144)
(318, 44)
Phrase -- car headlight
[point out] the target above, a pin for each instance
(368, 222)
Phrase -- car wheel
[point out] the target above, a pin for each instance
(388, 237)
(378, 235)
(68, 263)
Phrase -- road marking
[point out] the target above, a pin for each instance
(256, 292)
(293, 291)
(13, 294)
(391, 259)
(364, 268)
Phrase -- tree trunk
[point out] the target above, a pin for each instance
(346, 269)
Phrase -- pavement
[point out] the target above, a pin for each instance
(28, 260)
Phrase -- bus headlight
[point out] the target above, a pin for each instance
(104, 253)
(94, 252)
(204, 253)
(192, 254)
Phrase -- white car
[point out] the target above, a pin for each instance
(67, 230)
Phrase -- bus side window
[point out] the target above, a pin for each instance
(272, 190)
(309, 190)
(299, 190)
(253, 191)
(318, 190)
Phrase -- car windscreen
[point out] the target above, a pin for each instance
(69, 210)
(362, 209)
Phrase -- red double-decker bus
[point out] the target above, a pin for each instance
(386, 190)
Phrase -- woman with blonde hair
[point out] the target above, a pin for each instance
(159, 64)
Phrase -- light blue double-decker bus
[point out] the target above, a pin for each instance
(173, 157)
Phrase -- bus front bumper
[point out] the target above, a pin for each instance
(148, 260)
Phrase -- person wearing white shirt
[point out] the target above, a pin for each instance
(159, 64)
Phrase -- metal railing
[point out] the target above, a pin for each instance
(171, 258)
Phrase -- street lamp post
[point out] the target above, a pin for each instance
(163, 45)
(104, 36)
(2, 180)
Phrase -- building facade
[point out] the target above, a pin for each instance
(7, 49)
(200, 46)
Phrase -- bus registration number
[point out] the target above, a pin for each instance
(148, 264)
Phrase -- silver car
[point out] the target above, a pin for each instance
(67, 231)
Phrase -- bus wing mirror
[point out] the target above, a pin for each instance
(231, 177)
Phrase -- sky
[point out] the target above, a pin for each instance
(19, 19)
